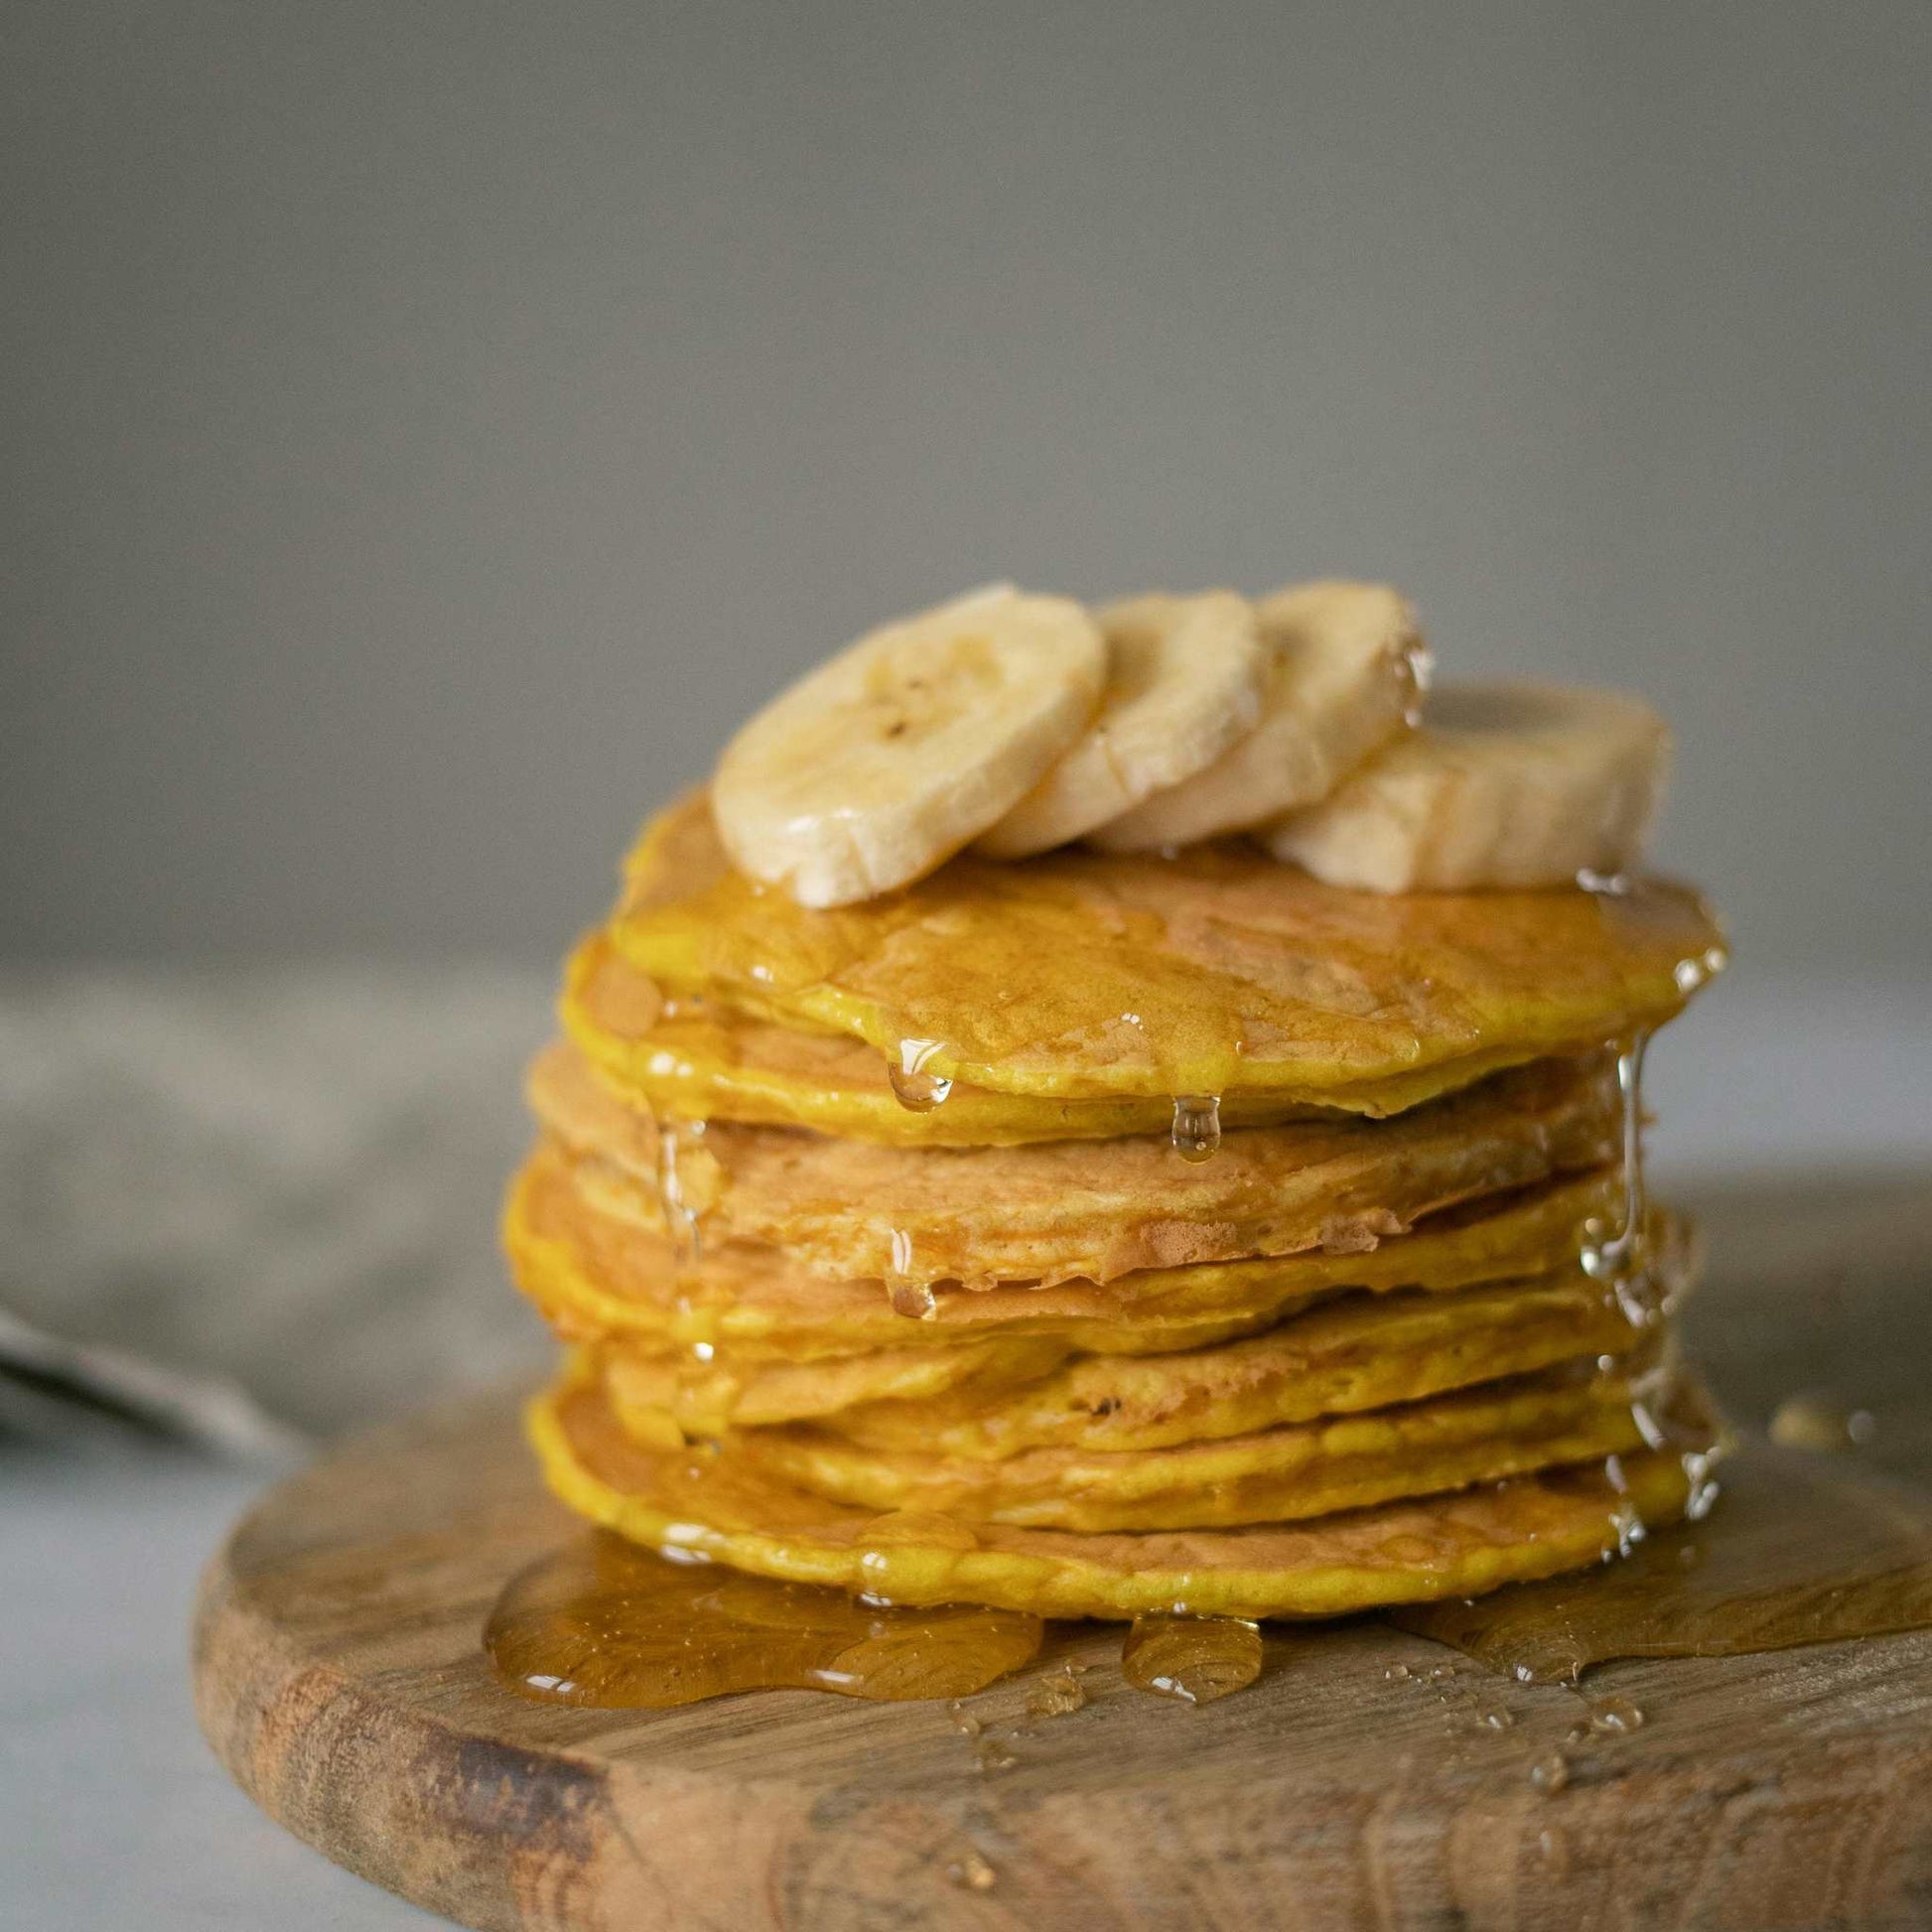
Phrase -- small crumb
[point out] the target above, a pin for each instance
(1550, 1775)
(963, 1719)
(995, 1757)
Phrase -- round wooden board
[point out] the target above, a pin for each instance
(339, 1678)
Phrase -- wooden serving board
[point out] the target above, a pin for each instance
(339, 1678)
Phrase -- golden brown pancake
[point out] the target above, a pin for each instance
(1078, 1208)
(593, 1273)
(1273, 1475)
(694, 1059)
(1083, 975)
(995, 1398)
(1455, 1545)
(1355, 1353)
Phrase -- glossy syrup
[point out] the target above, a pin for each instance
(1804, 1549)
(1193, 1659)
(1196, 1130)
(680, 1216)
(915, 1086)
(1615, 1257)
(605, 1625)
(914, 1299)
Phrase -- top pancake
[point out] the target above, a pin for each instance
(1088, 976)
(694, 1059)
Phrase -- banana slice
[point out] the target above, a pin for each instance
(1505, 786)
(881, 765)
(1346, 664)
(1185, 678)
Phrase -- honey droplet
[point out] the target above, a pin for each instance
(917, 1088)
(1817, 1422)
(1196, 1130)
(605, 1625)
(1615, 1716)
(1496, 1719)
(994, 1756)
(1609, 885)
(963, 1719)
(1550, 1775)
(1397, 1674)
(1057, 1695)
(1193, 1658)
(971, 1872)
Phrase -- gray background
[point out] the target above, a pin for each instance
(428, 427)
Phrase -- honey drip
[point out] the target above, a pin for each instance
(1617, 1260)
(1194, 1659)
(1804, 1550)
(916, 1089)
(913, 1298)
(1196, 1130)
(680, 1217)
(603, 1624)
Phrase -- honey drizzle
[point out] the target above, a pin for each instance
(1619, 1260)
(1806, 1549)
(605, 1625)
(1193, 1659)
(680, 1217)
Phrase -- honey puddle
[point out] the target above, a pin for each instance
(1800, 1549)
(605, 1625)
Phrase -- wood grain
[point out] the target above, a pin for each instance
(338, 1677)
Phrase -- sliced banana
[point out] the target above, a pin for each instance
(1505, 786)
(1346, 662)
(877, 767)
(1185, 678)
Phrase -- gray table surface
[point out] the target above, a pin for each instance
(112, 1814)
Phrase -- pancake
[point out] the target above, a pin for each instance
(994, 1398)
(1075, 1208)
(1084, 975)
(1456, 1545)
(1273, 1476)
(694, 1059)
(1356, 1353)
(595, 1274)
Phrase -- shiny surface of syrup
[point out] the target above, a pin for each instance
(915, 1087)
(603, 1624)
(1617, 1257)
(1196, 1130)
(1193, 1659)
(674, 1203)
(1801, 1549)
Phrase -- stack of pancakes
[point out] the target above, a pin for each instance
(1112, 1234)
